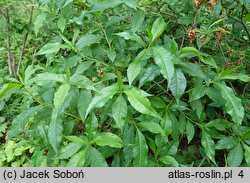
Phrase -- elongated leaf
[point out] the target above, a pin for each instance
(129, 35)
(178, 84)
(55, 130)
(163, 59)
(102, 97)
(78, 160)
(87, 40)
(49, 48)
(137, 20)
(5, 88)
(169, 160)
(119, 111)
(84, 100)
(140, 102)
(208, 145)
(235, 156)
(91, 125)
(150, 74)
(190, 131)
(61, 23)
(239, 76)
(94, 158)
(247, 153)
(140, 150)
(189, 52)
(135, 67)
(233, 104)
(45, 77)
(108, 139)
(166, 124)
(219, 124)
(192, 69)
(226, 142)
(76, 139)
(152, 127)
(158, 28)
(60, 95)
(39, 22)
(131, 3)
(105, 4)
(22, 119)
(83, 67)
(134, 70)
(69, 150)
(197, 92)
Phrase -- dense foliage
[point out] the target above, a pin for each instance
(125, 83)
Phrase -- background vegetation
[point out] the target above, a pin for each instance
(124, 83)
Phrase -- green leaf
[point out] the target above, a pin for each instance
(60, 95)
(226, 142)
(49, 48)
(55, 130)
(235, 156)
(102, 97)
(135, 67)
(105, 4)
(158, 28)
(164, 59)
(152, 127)
(84, 100)
(76, 139)
(78, 160)
(169, 160)
(61, 23)
(239, 76)
(39, 22)
(150, 74)
(5, 88)
(247, 153)
(129, 35)
(134, 70)
(190, 131)
(208, 145)
(119, 111)
(45, 77)
(233, 104)
(111, 55)
(94, 158)
(87, 40)
(197, 92)
(82, 67)
(131, 3)
(178, 84)
(108, 139)
(19, 123)
(91, 125)
(140, 150)
(219, 124)
(192, 69)
(137, 20)
(69, 150)
(189, 52)
(140, 102)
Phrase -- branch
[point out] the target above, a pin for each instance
(11, 60)
(241, 21)
(24, 43)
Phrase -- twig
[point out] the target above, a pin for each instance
(225, 59)
(241, 21)
(11, 60)
(24, 43)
